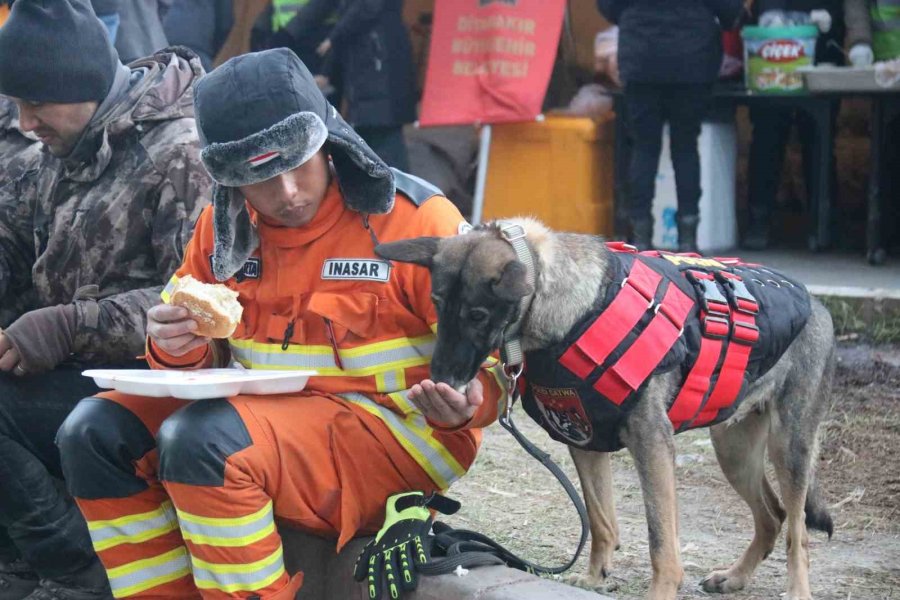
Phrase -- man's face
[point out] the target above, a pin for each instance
(59, 126)
(292, 198)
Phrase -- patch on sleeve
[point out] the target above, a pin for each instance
(563, 412)
(363, 269)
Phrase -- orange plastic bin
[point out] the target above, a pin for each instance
(559, 170)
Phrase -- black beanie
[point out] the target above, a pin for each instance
(56, 51)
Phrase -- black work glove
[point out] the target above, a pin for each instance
(402, 544)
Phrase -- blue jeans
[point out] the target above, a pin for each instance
(111, 21)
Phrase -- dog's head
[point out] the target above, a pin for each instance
(477, 286)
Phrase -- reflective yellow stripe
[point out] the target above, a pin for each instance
(414, 434)
(500, 377)
(166, 294)
(228, 532)
(361, 361)
(390, 381)
(133, 578)
(133, 529)
(241, 577)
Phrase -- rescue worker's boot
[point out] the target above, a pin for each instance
(88, 584)
(687, 233)
(642, 233)
(17, 580)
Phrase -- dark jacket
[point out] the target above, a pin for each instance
(104, 233)
(373, 55)
(573, 411)
(670, 41)
(201, 25)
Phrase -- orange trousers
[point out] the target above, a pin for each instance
(317, 463)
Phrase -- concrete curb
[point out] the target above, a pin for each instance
(329, 576)
(872, 313)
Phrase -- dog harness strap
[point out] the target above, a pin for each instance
(715, 327)
(744, 335)
(615, 323)
(648, 350)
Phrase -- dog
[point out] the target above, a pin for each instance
(480, 287)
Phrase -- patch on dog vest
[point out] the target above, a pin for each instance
(356, 269)
(564, 413)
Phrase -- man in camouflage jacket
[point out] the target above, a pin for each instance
(88, 233)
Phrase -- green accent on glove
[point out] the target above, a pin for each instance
(397, 548)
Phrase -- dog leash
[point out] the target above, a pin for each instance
(461, 547)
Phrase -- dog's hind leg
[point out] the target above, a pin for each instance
(741, 450)
(595, 473)
(796, 414)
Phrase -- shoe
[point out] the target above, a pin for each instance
(757, 236)
(53, 590)
(642, 233)
(17, 580)
(687, 233)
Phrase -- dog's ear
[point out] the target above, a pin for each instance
(512, 284)
(419, 251)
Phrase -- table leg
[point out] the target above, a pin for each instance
(820, 195)
(875, 253)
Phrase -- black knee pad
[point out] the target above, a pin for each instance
(98, 444)
(195, 441)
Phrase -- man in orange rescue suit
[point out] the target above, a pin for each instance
(181, 497)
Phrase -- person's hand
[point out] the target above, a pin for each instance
(444, 406)
(821, 18)
(172, 329)
(324, 47)
(322, 82)
(10, 362)
(861, 55)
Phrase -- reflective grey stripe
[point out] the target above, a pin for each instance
(237, 581)
(436, 464)
(323, 361)
(226, 531)
(120, 584)
(390, 382)
(135, 528)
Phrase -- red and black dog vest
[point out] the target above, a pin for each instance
(720, 323)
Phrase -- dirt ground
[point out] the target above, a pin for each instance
(510, 497)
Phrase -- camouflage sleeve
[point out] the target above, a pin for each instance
(16, 244)
(114, 327)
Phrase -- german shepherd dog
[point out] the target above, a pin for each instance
(477, 287)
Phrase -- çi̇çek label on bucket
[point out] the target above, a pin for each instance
(772, 56)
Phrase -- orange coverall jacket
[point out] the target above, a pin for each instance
(319, 298)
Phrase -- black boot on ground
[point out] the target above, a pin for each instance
(757, 234)
(17, 580)
(687, 233)
(641, 234)
(89, 584)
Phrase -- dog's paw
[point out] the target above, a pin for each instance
(722, 582)
(596, 584)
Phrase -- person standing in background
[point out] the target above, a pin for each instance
(873, 30)
(772, 124)
(140, 32)
(201, 25)
(670, 52)
(373, 55)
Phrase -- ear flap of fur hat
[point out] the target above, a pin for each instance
(235, 236)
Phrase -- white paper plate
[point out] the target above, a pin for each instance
(199, 384)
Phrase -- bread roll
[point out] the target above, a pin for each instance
(214, 306)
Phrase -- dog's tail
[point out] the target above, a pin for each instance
(817, 515)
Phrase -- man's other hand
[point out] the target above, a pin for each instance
(444, 406)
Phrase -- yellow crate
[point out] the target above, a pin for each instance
(559, 170)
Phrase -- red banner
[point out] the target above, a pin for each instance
(490, 60)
